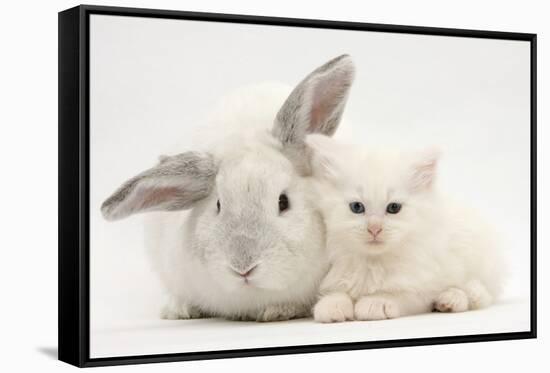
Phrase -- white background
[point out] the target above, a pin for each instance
(152, 82)
(29, 116)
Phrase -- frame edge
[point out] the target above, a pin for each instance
(73, 318)
(305, 22)
(70, 262)
(533, 171)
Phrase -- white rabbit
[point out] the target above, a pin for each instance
(252, 244)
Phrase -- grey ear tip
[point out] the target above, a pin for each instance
(345, 64)
(344, 56)
(344, 59)
(349, 64)
(107, 211)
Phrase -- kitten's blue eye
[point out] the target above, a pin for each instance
(393, 208)
(357, 207)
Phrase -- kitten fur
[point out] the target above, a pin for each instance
(434, 254)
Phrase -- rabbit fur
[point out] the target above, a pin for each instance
(231, 227)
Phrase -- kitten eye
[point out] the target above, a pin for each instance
(218, 206)
(283, 203)
(357, 207)
(393, 208)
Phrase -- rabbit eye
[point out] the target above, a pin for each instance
(218, 206)
(357, 207)
(393, 208)
(283, 203)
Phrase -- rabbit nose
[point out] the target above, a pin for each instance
(246, 273)
(374, 230)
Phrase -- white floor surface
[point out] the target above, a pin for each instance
(155, 336)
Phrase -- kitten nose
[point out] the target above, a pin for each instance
(374, 230)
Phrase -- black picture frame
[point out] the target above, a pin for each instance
(74, 322)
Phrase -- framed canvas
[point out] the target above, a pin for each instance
(234, 186)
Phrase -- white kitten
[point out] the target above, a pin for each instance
(397, 247)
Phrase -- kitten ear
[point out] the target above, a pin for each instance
(423, 169)
(323, 158)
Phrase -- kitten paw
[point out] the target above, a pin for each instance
(478, 295)
(333, 308)
(281, 312)
(451, 300)
(376, 308)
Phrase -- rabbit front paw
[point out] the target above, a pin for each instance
(281, 312)
(177, 310)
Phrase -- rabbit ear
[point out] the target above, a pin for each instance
(174, 184)
(317, 103)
